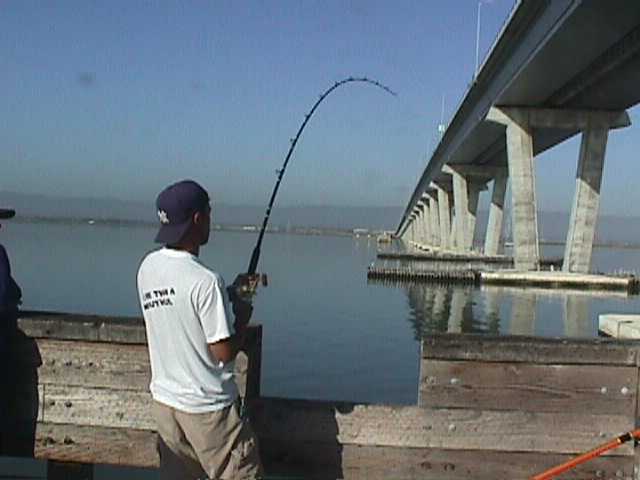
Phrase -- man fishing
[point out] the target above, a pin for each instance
(193, 344)
(10, 297)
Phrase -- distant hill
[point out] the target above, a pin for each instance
(103, 208)
(552, 225)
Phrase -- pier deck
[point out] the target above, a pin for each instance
(489, 407)
(476, 258)
(561, 279)
(622, 326)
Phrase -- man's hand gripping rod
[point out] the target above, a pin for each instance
(245, 285)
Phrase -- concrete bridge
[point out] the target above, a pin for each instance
(558, 68)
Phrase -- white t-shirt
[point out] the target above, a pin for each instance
(185, 307)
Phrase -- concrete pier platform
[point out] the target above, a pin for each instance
(513, 278)
(444, 257)
(620, 325)
(561, 279)
(439, 256)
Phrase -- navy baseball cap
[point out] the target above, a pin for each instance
(7, 213)
(176, 205)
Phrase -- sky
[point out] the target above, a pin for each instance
(118, 99)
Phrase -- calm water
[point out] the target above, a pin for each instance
(328, 334)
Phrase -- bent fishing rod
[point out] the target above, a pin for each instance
(255, 256)
(591, 454)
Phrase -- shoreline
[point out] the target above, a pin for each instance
(245, 228)
(241, 228)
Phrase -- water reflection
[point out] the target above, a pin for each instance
(499, 310)
(576, 314)
(523, 314)
(441, 309)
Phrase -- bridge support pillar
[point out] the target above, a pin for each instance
(425, 231)
(524, 213)
(595, 126)
(404, 237)
(453, 236)
(466, 192)
(417, 229)
(417, 226)
(427, 221)
(586, 201)
(472, 213)
(444, 210)
(493, 238)
(462, 213)
(412, 231)
(434, 218)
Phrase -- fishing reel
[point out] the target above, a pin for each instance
(245, 286)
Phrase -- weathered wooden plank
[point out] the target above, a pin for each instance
(126, 366)
(117, 446)
(94, 364)
(95, 328)
(308, 421)
(415, 427)
(96, 395)
(530, 349)
(321, 461)
(97, 407)
(92, 328)
(590, 389)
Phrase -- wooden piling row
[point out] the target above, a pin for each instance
(470, 276)
(431, 276)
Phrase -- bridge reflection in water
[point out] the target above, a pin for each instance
(498, 310)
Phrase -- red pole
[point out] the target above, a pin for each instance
(596, 452)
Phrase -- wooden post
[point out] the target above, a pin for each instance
(254, 367)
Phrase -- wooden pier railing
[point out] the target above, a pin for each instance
(530, 402)
(489, 408)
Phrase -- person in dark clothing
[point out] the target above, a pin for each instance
(10, 297)
(10, 293)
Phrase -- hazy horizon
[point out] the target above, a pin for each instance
(7, 195)
(552, 225)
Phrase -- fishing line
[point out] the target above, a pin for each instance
(255, 256)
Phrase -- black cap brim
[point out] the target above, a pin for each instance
(172, 234)
(7, 213)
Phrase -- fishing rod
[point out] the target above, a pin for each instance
(591, 454)
(250, 279)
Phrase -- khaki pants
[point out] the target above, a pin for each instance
(218, 445)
